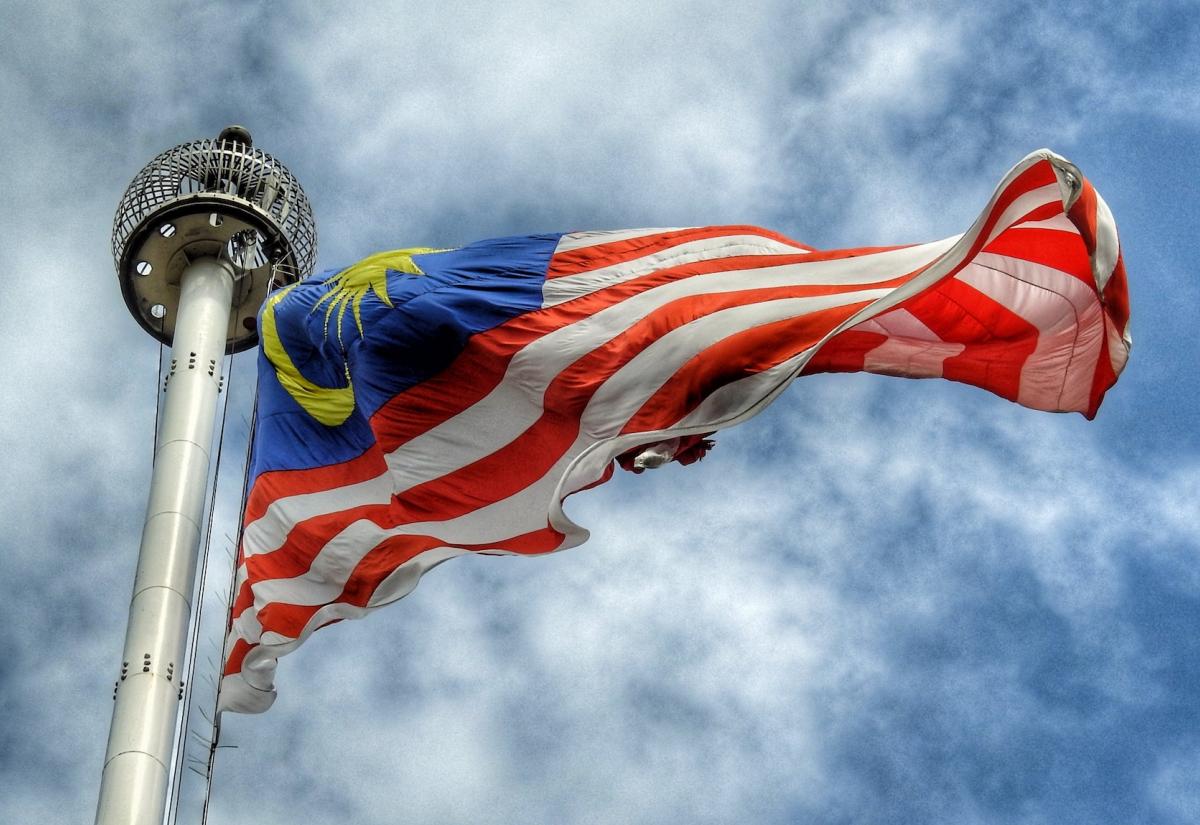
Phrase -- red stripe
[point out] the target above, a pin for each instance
(844, 352)
(1116, 296)
(738, 356)
(1103, 378)
(1083, 215)
(1056, 249)
(243, 599)
(237, 654)
(1035, 177)
(276, 484)
(382, 560)
(997, 340)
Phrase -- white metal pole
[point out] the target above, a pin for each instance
(141, 741)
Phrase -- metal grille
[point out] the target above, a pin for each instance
(217, 198)
(244, 175)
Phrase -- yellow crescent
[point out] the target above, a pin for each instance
(333, 405)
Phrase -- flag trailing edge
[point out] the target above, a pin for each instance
(427, 403)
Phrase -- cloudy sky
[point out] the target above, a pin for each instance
(881, 601)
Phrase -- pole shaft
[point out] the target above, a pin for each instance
(141, 740)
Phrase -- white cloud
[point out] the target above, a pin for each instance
(880, 601)
(1173, 786)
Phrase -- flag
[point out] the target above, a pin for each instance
(426, 403)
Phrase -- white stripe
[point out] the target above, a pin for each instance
(911, 349)
(735, 398)
(1023, 205)
(1118, 346)
(1059, 222)
(237, 695)
(579, 240)
(863, 269)
(558, 290)
(1108, 247)
(401, 581)
(267, 532)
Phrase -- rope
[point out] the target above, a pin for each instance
(214, 743)
(216, 738)
(194, 628)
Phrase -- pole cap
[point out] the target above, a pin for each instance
(236, 134)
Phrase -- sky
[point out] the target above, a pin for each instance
(880, 601)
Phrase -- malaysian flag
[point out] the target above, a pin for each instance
(425, 403)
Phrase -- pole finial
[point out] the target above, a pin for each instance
(236, 134)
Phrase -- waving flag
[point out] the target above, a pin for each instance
(423, 404)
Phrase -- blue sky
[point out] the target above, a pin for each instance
(881, 601)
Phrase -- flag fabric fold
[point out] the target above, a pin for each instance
(426, 403)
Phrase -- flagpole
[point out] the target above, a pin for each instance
(199, 237)
(141, 740)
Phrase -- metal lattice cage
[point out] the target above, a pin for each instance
(219, 197)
